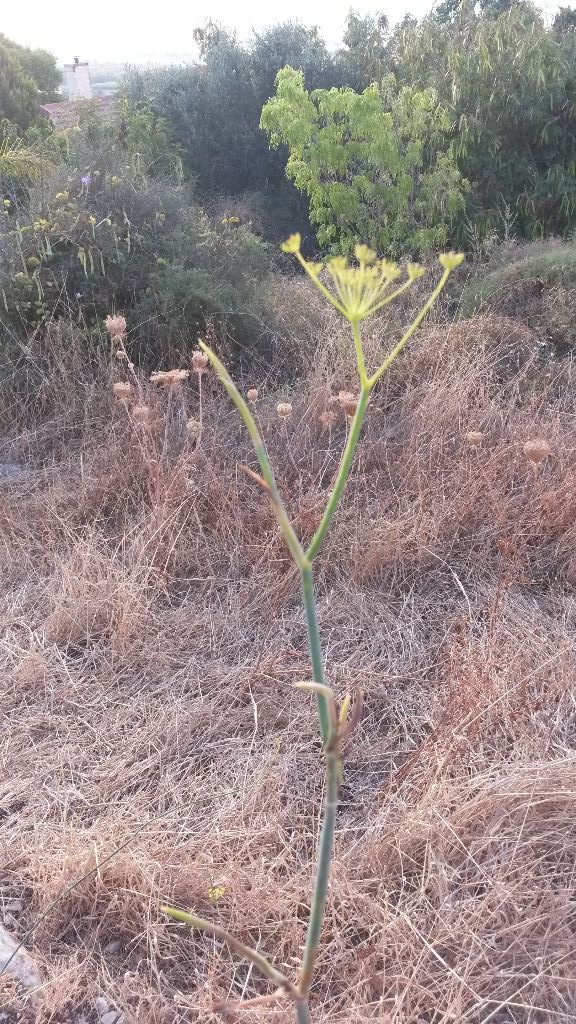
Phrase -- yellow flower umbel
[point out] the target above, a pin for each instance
(359, 291)
(356, 291)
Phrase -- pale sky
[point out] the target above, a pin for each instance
(132, 30)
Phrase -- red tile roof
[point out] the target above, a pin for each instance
(67, 114)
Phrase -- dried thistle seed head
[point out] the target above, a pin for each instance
(142, 414)
(537, 450)
(169, 378)
(328, 418)
(474, 437)
(284, 410)
(193, 427)
(348, 402)
(122, 389)
(116, 326)
(252, 395)
(199, 361)
(121, 354)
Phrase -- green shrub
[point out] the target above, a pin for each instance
(376, 165)
(533, 282)
(214, 110)
(506, 78)
(115, 227)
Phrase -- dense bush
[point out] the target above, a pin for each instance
(27, 79)
(214, 109)
(376, 165)
(18, 94)
(507, 80)
(504, 79)
(114, 227)
(38, 65)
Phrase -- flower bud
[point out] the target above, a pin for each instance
(252, 395)
(364, 254)
(292, 244)
(314, 269)
(451, 260)
(284, 410)
(414, 271)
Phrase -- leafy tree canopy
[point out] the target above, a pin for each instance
(508, 83)
(214, 110)
(18, 93)
(214, 107)
(376, 165)
(364, 57)
(39, 66)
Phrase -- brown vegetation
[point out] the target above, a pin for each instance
(152, 632)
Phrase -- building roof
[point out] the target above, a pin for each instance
(68, 113)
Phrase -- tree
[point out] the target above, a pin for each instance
(507, 83)
(376, 165)
(38, 65)
(462, 11)
(364, 56)
(565, 20)
(18, 93)
(214, 108)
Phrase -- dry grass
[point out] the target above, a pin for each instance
(151, 633)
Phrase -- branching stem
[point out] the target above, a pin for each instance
(256, 958)
(342, 476)
(334, 728)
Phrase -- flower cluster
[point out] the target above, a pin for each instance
(359, 291)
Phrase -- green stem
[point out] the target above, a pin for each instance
(411, 330)
(318, 907)
(320, 286)
(342, 477)
(315, 647)
(302, 1012)
(359, 353)
(262, 455)
(250, 954)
